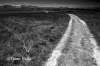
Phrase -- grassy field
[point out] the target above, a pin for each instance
(24, 23)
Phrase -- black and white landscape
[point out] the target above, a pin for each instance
(29, 34)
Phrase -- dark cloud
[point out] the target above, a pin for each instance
(56, 1)
(63, 2)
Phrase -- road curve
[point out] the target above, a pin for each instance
(77, 29)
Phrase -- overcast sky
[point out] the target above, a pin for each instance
(68, 3)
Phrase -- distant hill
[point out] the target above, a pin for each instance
(32, 9)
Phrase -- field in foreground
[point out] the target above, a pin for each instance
(21, 29)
